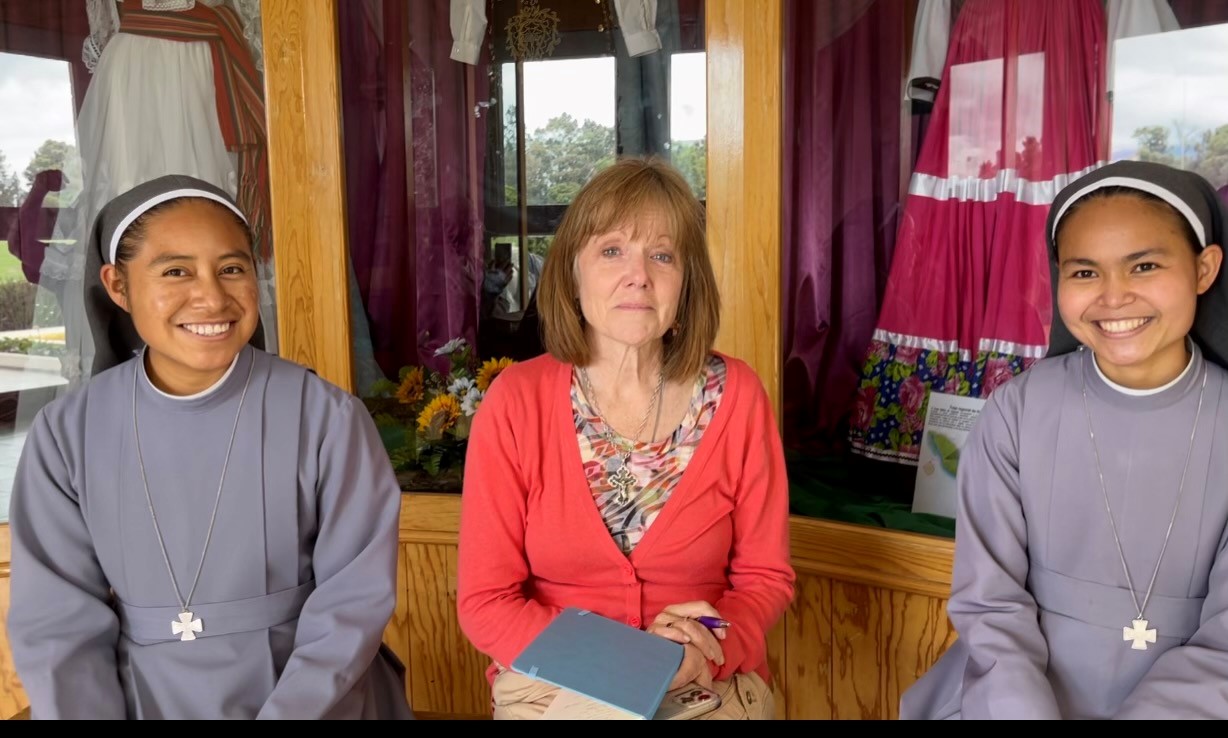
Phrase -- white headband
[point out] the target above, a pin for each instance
(1136, 184)
(131, 217)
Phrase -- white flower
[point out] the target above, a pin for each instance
(460, 386)
(451, 347)
(471, 402)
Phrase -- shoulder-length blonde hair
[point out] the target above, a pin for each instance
(614, 197)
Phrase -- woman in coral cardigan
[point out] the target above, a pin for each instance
(631, 471)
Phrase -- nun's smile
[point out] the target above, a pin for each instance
(210, 331)
(192, 292)
(1128, 285)
(1122, 327)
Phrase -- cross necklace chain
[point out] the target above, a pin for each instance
(1138, 632)
(187, 625)
(624, 480)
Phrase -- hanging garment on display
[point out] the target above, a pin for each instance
(1020, 113)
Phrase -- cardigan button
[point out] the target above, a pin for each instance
(635, 622)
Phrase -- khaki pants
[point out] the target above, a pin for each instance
(743, 697)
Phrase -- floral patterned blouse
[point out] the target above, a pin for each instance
(657, 467)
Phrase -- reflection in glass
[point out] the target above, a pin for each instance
(457, 152)
(100, 96)
(460, 160)
(40, 172)
(979, 108)
(569, 125)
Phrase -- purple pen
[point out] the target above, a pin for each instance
(712, 623)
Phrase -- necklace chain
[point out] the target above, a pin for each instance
(623, 480)
(185, 602)
(1176, 505)
(610, 435)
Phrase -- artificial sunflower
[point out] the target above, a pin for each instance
(411, 387)
(491, 368)
(439, 416)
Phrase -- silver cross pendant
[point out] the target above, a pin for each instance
(186, 627)
(1140, 634)
(623, 481)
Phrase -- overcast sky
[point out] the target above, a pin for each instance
(36, 100)
(584, 89)
(1179, 77)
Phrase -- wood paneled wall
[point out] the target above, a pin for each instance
(12, 698)
(868, 618)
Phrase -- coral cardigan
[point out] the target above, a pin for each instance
(532, 541)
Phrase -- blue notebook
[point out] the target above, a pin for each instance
(614, 664)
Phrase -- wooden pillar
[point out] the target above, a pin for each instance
(307, 183)
(744, 46)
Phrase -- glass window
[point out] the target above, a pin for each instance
(915, 257)
(461, 148)
(95, 103)
(33, 149)
(1168, 100)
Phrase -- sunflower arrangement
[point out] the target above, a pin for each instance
(424, 417)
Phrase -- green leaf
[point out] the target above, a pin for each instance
(899, 372)
(403, 458)
(383, 388)
(393, 436)
(431, 462)
(943, 445)
(947, 451)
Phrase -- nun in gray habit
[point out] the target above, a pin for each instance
(1091, 573)
(226, 554)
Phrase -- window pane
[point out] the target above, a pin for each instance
(569, 125)
(85, 122)
(438, 136)
(1169, 103)
(43, 140)
(688, 118)
(915, 258)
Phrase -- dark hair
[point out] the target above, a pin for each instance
(614, 197)
(1187, 229)
(134, 235)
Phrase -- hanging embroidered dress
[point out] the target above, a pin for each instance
(1020, 113)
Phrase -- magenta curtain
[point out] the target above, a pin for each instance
(448, 160)
(843, 91)
(373, 111)
(415, 206)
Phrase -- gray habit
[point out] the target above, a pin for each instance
(298, 583)
(1039, 598)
